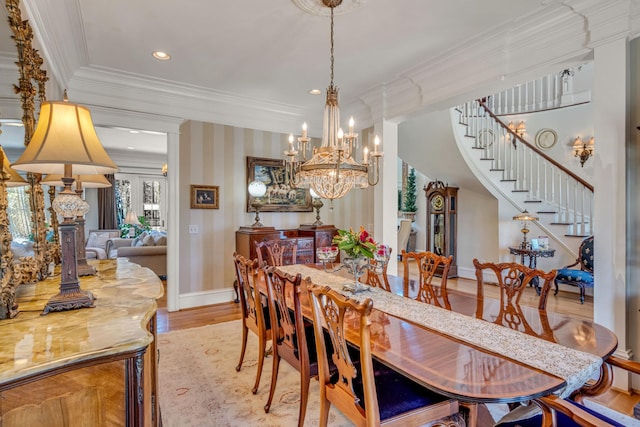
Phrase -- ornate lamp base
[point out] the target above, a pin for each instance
(85, 269)
(72, 298)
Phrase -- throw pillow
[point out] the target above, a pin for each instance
(148, 241)
(138, 240)
(161, 241)
(98, 240)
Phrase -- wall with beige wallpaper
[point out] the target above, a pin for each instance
(213, 154)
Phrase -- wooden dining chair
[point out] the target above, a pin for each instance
(378, 280)
(579, 410)
(427, 264)
(364, 390)
(255, 316)
(290, 334)
(277, 252)
(512, 279)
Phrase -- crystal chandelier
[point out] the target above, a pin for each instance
(332, 170)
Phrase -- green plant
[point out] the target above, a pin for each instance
(410, 193)
(139, 228)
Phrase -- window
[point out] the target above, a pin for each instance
(145, 195)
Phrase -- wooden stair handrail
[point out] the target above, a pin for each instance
(535, 149)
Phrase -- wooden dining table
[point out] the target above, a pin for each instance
(463, 371)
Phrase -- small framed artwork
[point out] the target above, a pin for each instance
(535, 245)
(204, 197)
(281, 196)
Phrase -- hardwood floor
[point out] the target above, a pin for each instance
(565, 302)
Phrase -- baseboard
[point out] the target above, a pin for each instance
(199, 299)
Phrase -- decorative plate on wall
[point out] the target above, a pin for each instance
(546, 138)
(485, 138)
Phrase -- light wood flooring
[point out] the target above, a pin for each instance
(565, 302)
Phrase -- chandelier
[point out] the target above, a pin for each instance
(332, 171)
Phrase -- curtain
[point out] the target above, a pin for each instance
(107, 205)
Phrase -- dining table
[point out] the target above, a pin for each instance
(512, 361)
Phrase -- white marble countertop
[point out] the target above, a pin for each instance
(125, 301)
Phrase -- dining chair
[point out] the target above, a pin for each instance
(291, 333)
(427, 264)
(255, 316)
(579, 410)
(378, 280)
(512, 279)
(277, 252)
(364, 390)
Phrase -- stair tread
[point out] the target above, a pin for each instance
(567, 223)
(519, 191)
(508, 180)
(486, 158)
(547, 212)
(577, 235)
(533, 201)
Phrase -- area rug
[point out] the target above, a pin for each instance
(199, 385)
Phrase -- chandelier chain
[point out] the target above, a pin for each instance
(331, 84)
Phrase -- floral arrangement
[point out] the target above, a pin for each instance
(355, 244)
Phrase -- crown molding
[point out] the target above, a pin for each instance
(114, 89)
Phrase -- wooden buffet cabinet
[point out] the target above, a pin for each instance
(94, 366)
(310, 237)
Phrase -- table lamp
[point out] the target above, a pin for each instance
(81, 182)
(132, 220)
(524, 217)
(65, 142)
(257, 189)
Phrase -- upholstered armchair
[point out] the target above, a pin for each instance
(582, 277)
(96, 246)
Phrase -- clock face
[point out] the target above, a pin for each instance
(437, 202)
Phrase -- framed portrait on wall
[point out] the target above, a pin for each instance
(281, 196)
(204, 197)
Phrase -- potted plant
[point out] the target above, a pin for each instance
(410, 208)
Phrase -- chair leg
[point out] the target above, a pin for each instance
(325, 405)
(262, 343)
(274, 378)
(304, 397)
(581, 294)
(245, 330)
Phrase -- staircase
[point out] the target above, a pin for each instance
(519, 173)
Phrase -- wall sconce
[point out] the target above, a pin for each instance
(518, 130)
(164, 169)
(257, 189)
(524, 217)
(317, 205)
(583, 150)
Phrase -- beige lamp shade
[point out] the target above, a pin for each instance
(87, 181)
(132, 218)
(13, 178)
(65, 135)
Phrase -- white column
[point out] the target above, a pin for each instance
(610, 116)
(386, 192)
(173, 221)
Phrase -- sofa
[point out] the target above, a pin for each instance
(149, 249)
(96, 243)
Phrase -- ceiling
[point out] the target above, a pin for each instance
(232, 61)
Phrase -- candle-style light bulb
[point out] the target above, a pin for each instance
(351, 124)
(376, 144)
(366, 154)
(304, 129)
(291, 142)
(340, 136)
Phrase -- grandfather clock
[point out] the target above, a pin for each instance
(442, 223)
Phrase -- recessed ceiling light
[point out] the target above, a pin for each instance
(162, 56)
(315, 91)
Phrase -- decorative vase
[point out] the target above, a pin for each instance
(357, 265)
(410, 215)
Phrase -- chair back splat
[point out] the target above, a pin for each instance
(379, 280)
(427, 265)
(255, 316)
(364, 390)
(291, 334)
(277, 252)
(513, 279)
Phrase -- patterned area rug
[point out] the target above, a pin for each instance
(199, 385)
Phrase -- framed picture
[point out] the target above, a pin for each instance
(204, 197)
(280, 196)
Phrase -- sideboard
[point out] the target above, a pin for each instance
(310, 237)
(93, 366)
